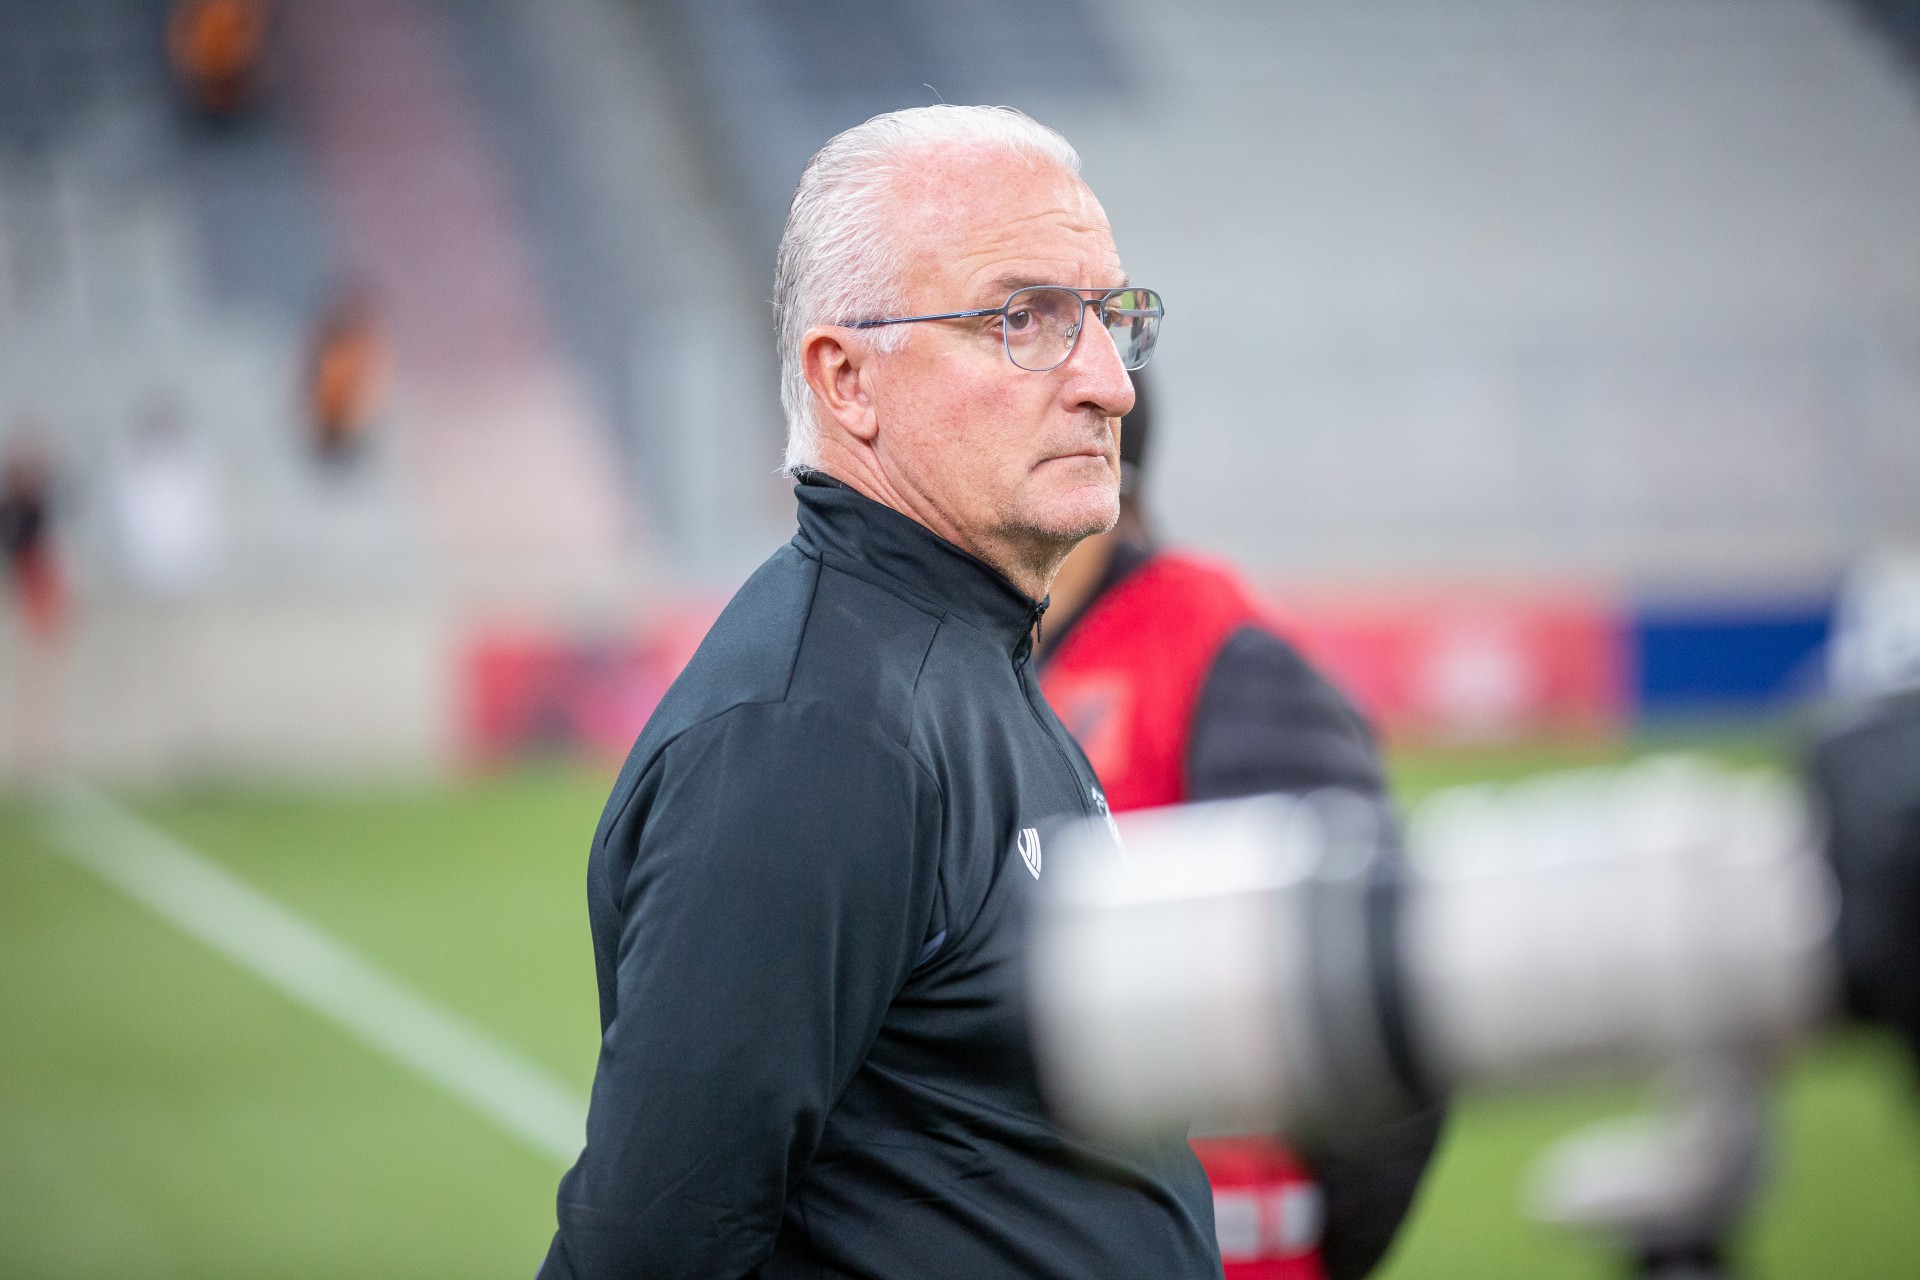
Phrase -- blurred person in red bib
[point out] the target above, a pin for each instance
(1165, 667)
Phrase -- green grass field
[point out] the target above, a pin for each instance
(165, 1113)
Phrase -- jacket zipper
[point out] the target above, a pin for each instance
(1030, 689)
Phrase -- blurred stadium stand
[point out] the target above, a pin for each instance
(771, 81)
(154, 260)
(1611, 300)
(662, 312)
(1604, 288)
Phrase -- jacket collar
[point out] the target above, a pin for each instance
(899, 554)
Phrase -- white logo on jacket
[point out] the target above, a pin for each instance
(1113, 828)
(1029, 845)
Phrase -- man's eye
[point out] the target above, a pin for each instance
(1019, 321)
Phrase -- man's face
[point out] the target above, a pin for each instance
(1018, 464)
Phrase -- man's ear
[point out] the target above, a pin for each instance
(840, 372)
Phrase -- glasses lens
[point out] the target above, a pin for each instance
(1040, 326)
(1132, 316)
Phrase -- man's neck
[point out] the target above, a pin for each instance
(1030, 569)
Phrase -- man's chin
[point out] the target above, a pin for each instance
(1080, 514)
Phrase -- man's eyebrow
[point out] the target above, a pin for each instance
(1002, 285)
(1013, 281)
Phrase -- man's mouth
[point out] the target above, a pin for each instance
(1100, 454)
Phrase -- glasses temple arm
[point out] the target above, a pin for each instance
(944, 315)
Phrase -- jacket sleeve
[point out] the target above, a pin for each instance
(773, 876)
(1267, 721)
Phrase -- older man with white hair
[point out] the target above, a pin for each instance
(808, 887)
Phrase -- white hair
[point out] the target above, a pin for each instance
(838, 260)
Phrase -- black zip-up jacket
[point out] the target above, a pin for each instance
(807, 894)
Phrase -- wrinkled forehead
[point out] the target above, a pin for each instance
(968, 219)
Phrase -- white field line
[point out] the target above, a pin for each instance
(317, 970)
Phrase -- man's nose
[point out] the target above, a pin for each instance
(1096, 377)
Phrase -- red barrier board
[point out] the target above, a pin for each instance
(1461, 666)
(1471, 665)
(529, 691)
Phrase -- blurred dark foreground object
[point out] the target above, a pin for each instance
(1865, 771)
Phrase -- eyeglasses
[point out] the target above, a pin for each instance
(1041, 324)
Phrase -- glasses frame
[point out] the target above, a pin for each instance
(1088, 298)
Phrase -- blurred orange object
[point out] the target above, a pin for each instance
(214, 48)
(347, 373)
